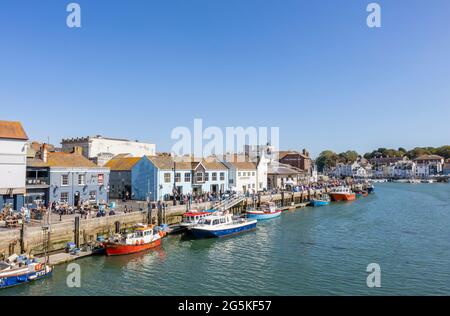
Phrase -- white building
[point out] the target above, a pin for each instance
(13, 150)
(403, 169)
(100, 149)
(428, 165)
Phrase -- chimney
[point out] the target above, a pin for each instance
(44, 152)
(77, 150)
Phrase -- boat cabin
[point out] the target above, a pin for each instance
(194, 217)
(214, 220)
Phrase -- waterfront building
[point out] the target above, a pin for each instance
(428, 165)
(243, 174)
(283, 176)
(301, 161)
(120, 178)
(72, 178)
(358, 169)
(13, 151)
(101, 149)
(210, 175)
(403, 169)
(447, 167)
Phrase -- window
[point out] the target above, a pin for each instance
(214, 176)
(199, 177)
(239, 174)
(253, 185)
(222, 176)
(253, 174)
(81, 179)
(206, 176)
(177, 177)
(92, 196)
(167, 177)
(64, 197)
(65, 180)
(231, 181)
(100, 179)
(187, 177)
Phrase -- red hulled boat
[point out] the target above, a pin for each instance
(342, 194)
(142, 238)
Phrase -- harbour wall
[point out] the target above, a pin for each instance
(38, 240)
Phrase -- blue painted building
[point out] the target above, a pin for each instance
(72, 178)
(158, 177)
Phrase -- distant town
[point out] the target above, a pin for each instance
(95, 169)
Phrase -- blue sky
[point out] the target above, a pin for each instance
(137, 69)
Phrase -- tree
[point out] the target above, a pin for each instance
(327, 159)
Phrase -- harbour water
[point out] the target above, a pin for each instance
(405, 228)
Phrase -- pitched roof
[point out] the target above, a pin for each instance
(122, 164)
(429, 157)
(213, 164)
(60, 159)
(283, 153)
(167, 162)
(12, 130)
(242, 162)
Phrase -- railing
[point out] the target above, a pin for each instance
(229, 203)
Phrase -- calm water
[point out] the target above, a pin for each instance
(313, 251)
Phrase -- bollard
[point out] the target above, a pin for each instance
(77, 231)
(117, 227)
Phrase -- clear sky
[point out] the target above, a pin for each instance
(137, 69)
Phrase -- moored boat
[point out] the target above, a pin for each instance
(192, 217)
(342, 194)
(266, 211)
(20, 269)
(222, 225)
(323, 200)
(142, 238)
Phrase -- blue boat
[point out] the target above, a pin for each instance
(322, 201)
(222, 225)
(21, 270)
(266, 211)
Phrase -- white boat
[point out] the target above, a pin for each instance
(222, 225)
(266, 211)
(191, 218)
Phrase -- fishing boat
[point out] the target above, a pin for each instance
(221, 225)
(342, 194)
(144, 237)
(266, 211)
(18, 270)
(323, 200)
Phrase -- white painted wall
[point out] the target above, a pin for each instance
(97, 146)
(12, 165)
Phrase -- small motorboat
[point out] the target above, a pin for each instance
(342, 194)
(192, 217)
(371, 189)
(222, 225)
(323, 200)
(18, 270)
(361, 193)
(266, 211)
(143, 237)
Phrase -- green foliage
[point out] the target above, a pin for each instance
(443, 151)
(327, 159)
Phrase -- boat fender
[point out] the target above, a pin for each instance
(161, 234)
(38, 267)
